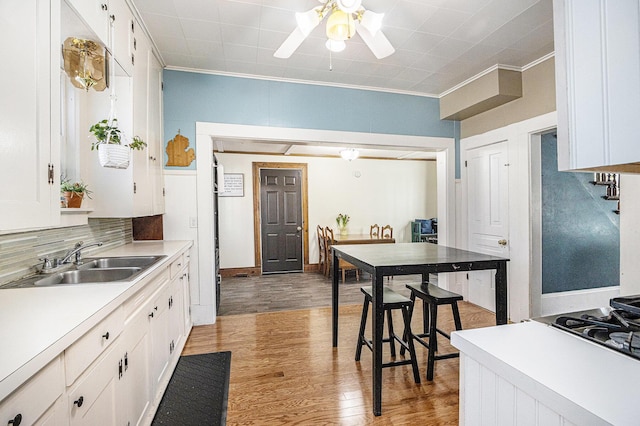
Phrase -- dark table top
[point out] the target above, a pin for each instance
(411, 254)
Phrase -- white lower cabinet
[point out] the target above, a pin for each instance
(136, 385)
(116, 373)
(95, 394)
(159, 332)
(39, 400)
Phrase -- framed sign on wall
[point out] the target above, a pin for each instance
(233, 185)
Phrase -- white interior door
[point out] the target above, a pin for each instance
(488, 201)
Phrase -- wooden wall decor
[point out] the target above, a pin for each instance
(177, 152)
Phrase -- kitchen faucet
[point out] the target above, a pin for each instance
(77, 250)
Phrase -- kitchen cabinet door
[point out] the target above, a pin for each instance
(597, 58)
(121, 37)
(95, 14)
(155, 133)
(38, 401)
(95, 394)
(29, 128)
(141, 159)
(159, 334)
(135, 384)
(176, 316)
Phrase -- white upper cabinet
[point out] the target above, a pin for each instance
(597, 54)
(155, 138)
(29, 114)
(121, 40)
(95, 14)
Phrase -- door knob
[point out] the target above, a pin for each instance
(502, 242)
(299, 228)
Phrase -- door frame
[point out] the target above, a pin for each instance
(257, 240)
(208, 132)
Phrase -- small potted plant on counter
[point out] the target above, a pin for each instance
(109, 139)
(74, 193)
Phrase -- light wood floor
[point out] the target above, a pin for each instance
(284, 370)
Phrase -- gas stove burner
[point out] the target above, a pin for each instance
(618, 329)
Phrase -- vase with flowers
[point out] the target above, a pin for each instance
(342, 220)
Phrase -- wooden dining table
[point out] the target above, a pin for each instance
(381, 260)
(360, 239)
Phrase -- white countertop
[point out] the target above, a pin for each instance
(551, 362)
(37, 324)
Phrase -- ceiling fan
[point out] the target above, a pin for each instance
(345, 18)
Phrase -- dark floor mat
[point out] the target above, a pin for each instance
(197, 392)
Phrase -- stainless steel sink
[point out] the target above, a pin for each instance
(100, 275)
(92, 271)
(120, 262)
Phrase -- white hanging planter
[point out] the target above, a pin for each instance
(114, 156)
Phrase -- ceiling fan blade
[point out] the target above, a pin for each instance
(378, 44)
(290, 45)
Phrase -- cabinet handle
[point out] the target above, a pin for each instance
(126, 361)
(151, 315)
(113, 18)
(79, 402)
(103, 6)
(120, 369)
(106, 336)
(16, 420)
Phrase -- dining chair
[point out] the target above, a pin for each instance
(322, 254)
(374, 231)
(343, 265)
(328, 241)
(386, 232)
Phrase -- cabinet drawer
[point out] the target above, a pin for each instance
(144, 294)
(33, 399)
(176, 266)
(86, 349)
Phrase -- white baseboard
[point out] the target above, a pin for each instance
(578, 300)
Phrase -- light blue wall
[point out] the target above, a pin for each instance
(580, 231)
(191, 97)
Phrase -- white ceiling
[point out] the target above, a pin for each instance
(439, 43)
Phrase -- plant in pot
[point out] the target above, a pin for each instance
(112, 145)
(74, 192)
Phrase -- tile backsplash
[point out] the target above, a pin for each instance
(20, 252)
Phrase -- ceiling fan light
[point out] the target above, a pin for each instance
(340, 25)
(335, 45)
(372, 21)
(349, 154)
(349, 6)
(307, 21)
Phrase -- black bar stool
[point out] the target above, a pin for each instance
(390, 301)
(433, 296)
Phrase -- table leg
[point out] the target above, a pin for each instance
(378, 320)
(501, 293)
(334, 297)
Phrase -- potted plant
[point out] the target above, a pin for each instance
(74, 192)
(109, 139)
(342, 220)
